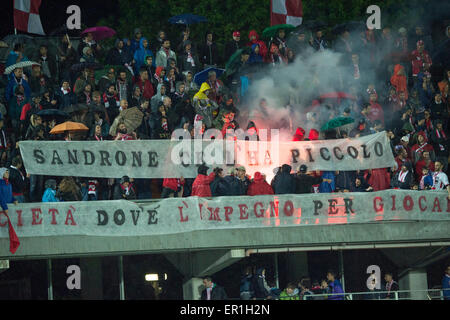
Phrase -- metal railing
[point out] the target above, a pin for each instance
(429, 294)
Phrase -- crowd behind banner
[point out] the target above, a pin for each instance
(152, 80)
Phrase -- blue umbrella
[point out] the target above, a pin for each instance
(202, 76)
(187, 19)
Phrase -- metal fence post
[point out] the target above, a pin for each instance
(121, 283)
(49, 279)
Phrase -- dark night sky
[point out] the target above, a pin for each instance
(53, 13)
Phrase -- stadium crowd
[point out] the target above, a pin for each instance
(155, 77)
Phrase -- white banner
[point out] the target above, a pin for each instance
(172, 159)
(178, 215)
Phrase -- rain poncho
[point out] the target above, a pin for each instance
(204, 106)
(141, 54)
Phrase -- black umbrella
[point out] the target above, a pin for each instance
(75, 108)
(96, 109)
(52, 113)
(314, 25)
(86, 65)
(349, 26)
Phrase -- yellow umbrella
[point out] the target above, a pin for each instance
(68, 126)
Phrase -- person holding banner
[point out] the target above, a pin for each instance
(403, 179)
(201, 186)
(6, 194)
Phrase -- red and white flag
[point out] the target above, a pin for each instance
(26, 16)
(286, 12)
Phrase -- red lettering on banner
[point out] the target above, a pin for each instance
(436, 204)
(214, 214)
(53, 212)
(288, 208)
(4, 223)
(420, 203)
(408, 203)
(228, 211)
(273, 209)
(36, 212)
(378, 207)
(70, 217)
(19, 218)
(393, 203)
(261, 210)
(243, 210)
(183, 219)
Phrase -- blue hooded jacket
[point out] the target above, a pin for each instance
(254, 57)
(326, 187)
(49, 195)
(425, 97)
(6, 195)
(141, 53)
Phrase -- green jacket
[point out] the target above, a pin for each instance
(285, 296)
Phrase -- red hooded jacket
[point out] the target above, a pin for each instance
(172, 183)
(259, 186)
(200, 187)
(313, 135)
(423, 147)
(398, 81)
(262, 46)
(299, 134)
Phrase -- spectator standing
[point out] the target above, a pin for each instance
(336, 291)
(212, 291)
(259, 186)
(201, 186)
(17, 179)
(446, 283)
(391, 286)
(246, 285)
(262, 289)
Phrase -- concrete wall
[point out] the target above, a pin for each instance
(71, 246)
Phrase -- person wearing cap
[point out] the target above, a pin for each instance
(188, 59)
(201, 186)
(6, 193)
(305, 182)
(124, 190)
(233, 45)
(239, 185)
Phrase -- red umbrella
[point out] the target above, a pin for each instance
(100, 33)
